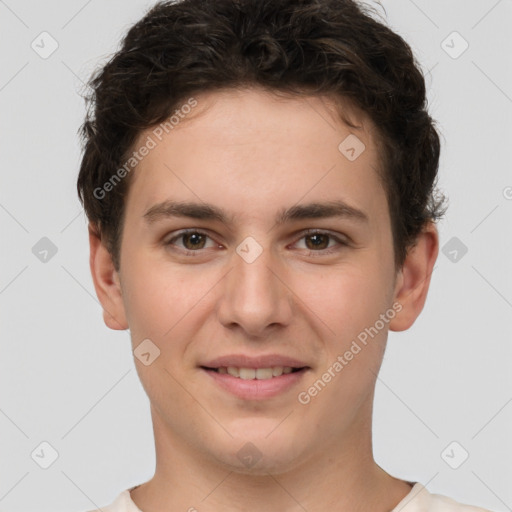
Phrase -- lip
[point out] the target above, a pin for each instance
(255, 389)
(245, 361)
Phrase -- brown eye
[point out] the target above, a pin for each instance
(318, 241)
(193, 240)
(321, 243)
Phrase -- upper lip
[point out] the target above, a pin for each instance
(245, 361)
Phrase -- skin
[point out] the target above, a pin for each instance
(253, 154)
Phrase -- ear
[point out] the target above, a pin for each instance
(413, 280)
(106, 282)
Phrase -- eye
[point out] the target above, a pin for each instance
(192, 240)
(317, 242)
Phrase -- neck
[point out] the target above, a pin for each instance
(343, 476)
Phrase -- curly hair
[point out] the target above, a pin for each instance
(296, 47)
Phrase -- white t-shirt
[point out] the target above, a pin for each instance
(418, 500)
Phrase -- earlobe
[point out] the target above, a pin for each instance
(106, 282)
(413, 281)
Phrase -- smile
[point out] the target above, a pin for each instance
(255, 373)
(256, 383)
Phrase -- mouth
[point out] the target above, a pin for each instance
(258, 384)
(255, 373)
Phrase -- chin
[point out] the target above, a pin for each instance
(258, 453)
(274, 464)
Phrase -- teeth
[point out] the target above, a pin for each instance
(233, 371)
(263, 373)
(247, 373)
(277, 370)
(255, 373)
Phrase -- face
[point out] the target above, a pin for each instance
(269, 315)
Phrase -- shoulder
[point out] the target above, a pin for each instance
(123, 503)
(440, 503)
(421, 500)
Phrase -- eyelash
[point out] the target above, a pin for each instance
(309, 232)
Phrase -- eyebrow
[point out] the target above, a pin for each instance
(205, 211)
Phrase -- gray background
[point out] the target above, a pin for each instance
(66, 379)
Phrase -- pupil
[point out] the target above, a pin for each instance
(317, 237)
(188, 237)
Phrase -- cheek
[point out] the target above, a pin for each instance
(163, 302)
(152, 299)
(350, 304)
(345, 298)
(146, 308)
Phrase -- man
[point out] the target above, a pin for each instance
(259, 178)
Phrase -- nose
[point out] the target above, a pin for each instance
(255, 296)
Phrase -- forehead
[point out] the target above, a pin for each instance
(259, 110)
(252, 145)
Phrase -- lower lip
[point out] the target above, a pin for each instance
(254, 389)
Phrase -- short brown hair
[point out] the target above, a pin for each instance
(300, 47)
